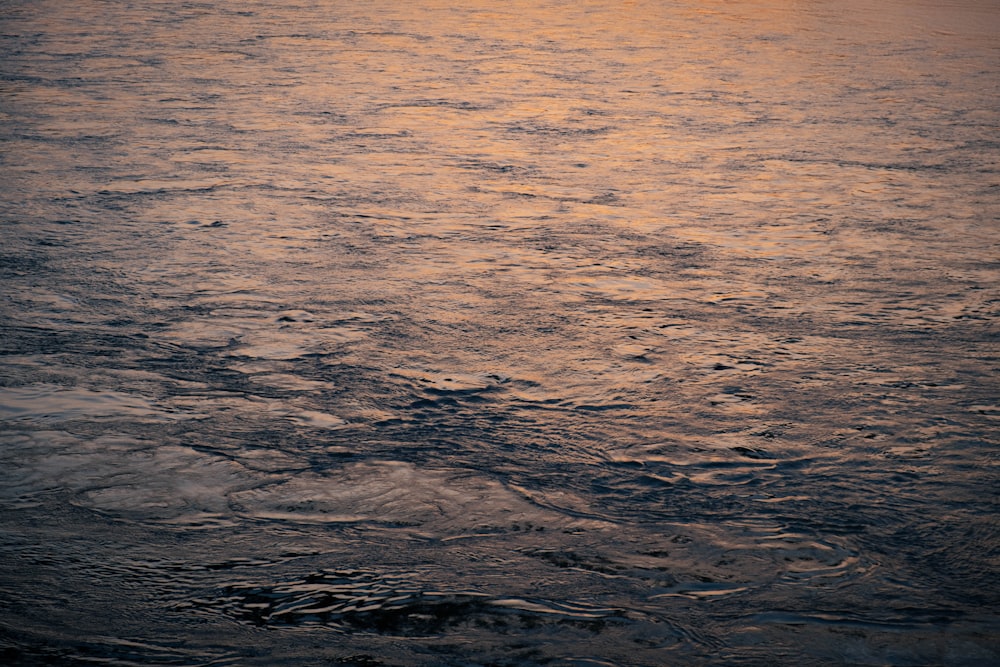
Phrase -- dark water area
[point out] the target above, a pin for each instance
(487, 333)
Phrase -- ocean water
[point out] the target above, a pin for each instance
(660, 332)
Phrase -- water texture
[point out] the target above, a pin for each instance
(499, 333)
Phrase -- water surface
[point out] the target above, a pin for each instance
(534, 333)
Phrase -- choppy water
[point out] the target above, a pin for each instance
(440, 333)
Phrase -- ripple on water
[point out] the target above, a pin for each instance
(402, 604)
(435, 503)
(124, 476)
(264, 335)
(240, 412)
(49, 404)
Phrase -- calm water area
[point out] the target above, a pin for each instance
(595, 333)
